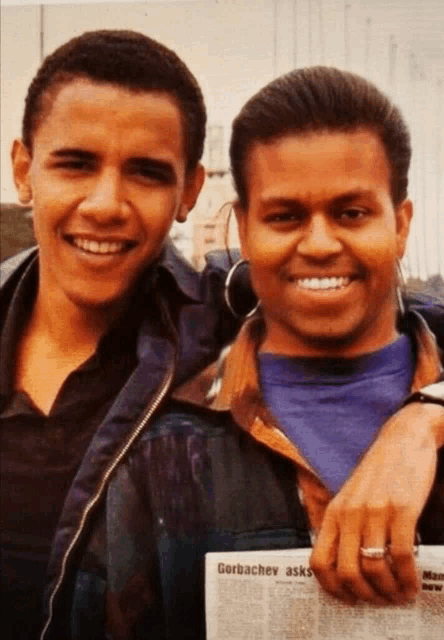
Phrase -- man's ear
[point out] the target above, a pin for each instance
(193, 185)
(241, 219)
(21, 166)
(403, 213)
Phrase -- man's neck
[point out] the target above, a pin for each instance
(289, 343)
(71, 328)
(59, 337)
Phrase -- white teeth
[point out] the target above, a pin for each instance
(323, 283)
(92, 246)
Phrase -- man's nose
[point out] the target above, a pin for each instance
(105, 201)
(320, 240)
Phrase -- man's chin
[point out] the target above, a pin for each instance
(342, 341)
(332, 339)
(331, 342)
(97, 304)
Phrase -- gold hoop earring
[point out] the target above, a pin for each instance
(238, 280)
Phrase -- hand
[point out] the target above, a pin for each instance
(380, 504)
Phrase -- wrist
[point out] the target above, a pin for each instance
(430, 418)
(431, 394)
(420, 424)
(429, 403)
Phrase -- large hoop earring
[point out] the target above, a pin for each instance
(400, 286)
(244, 287)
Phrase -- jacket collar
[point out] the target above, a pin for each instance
(233, 379)
(16, 263)
(185, 276)
(232, 384)
(170, 261)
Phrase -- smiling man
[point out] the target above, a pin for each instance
(107, 174)
(320, 160)
(113, 133)
(321, 298)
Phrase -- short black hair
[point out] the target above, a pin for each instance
(316, 99)
(126, 59)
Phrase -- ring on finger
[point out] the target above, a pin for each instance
(374, 553)
(378, 553)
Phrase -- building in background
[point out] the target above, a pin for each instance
(234, 47)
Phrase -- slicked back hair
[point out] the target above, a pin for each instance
(317, 99)
(125, 59)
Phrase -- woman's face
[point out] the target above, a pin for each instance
(323, 237)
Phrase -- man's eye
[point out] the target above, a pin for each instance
(353, 214)
(285, 216)
(150, 173)
(75, 165)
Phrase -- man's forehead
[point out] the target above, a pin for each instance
(83, 112)
(356, 160)
(82, 94)
(82, 88)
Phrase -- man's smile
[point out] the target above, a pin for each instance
(97, 246)
(321, 283)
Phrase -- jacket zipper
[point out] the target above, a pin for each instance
(165, 386)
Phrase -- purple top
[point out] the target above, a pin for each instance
(332, 408)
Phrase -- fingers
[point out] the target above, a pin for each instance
(363, 580)
(378, 572)
(323, 560)
(344, 573)
(402, 558)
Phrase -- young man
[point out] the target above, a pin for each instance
(320, 160)
(96, 327)
(113, 133)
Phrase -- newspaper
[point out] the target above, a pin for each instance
(273, 595)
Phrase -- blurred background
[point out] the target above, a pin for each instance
(234, 47)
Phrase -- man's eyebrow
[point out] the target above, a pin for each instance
(351, 196)
(153, 164)
(73, 152)
(277, 201)
(141, 163)
(342, 199)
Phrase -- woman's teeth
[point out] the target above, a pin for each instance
(92, 246)
(323, 283)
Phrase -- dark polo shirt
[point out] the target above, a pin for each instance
(40, 454)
